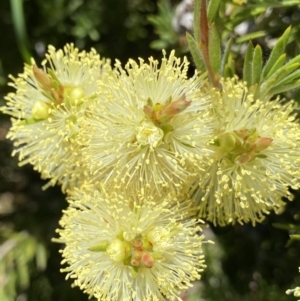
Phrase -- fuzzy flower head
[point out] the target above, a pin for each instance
(129, 249)
(150, 126)
(47, 107)
(256, 157)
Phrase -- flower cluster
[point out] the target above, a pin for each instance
(47, 109)
(150, 127)
(141, 151)
(130, 249)
(256, 157)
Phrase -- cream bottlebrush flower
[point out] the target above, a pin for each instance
(256, 157)
(47, 108)
(130, 249)
(149, 127)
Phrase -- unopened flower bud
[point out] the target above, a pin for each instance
(173, 109)
(118, 250)
(136, 258)
(227, 141)
(74, 95)
(40, 110)
(146, 244)
(58, 94)
(43, 78)
(245, 158)
(157, 234)
(137, 244)
(262, 143)
(147, 260)
(148, 111)
(158, 107)
(129, 236)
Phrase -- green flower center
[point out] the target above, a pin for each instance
(161, 114)
(56, 93)
(242, 146)
(149, 134)
(134, 251)
(73, 96)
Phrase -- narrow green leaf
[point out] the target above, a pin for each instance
(277, 51)
(213, 6)
(274, 79)
(229, 70)
(296, 59)
(196, 54)
(41, 256)
(277, 65)
(251, 36)
(284, 88)
(214, 48)
(256, 65)
(23, 272)
(226, 57)
(158, 44)
(274, 4)
(284, 71)
(289, 79)
(20, 28)
(295, 236)
(197, 8)
(247, 70)
(284, 226)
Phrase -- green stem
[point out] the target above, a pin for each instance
(20, 29)
(204, 42)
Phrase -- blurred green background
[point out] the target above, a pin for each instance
(246, 263)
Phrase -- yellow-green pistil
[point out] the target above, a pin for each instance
(161, 114)
(135, 253)
(55, 92)
(242, 146)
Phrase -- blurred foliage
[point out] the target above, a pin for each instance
(245, 263)
(162, 22)
(261, 22)
(17, 251)
(114, 28)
